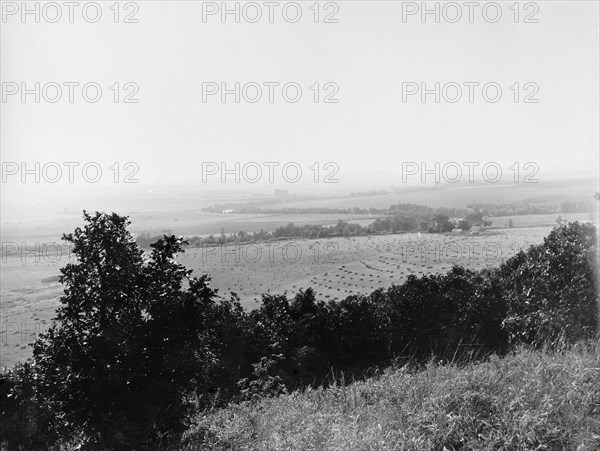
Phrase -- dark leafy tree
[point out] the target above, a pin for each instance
(464, 224)
(127, 348)
(440, 224)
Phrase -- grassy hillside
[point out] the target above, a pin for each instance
(528, 400)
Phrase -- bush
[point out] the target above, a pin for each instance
(27, 419)
(551, 289)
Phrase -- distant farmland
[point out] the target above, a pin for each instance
(338, 267)
(458, 196)
(335, 268)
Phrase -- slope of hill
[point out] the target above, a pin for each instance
(527, 400)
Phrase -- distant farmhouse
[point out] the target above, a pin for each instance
(477, 228)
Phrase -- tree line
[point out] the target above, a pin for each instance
(398, 219)
(528, 207)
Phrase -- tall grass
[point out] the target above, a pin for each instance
(528, 400)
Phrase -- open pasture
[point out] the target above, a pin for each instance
(549, 220)
(335, 268)
(338, 267)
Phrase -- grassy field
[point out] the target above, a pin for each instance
(529, 400)
(335, 268)
(501, 222)
(339, 267)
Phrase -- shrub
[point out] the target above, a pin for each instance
(551, 289)
(26, 418)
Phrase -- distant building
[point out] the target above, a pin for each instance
(457, 231)
(475, 229)
(227, 211)
(282, 192)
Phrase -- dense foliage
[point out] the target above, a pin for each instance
(138, 344)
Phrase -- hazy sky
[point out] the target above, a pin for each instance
(369, 53)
